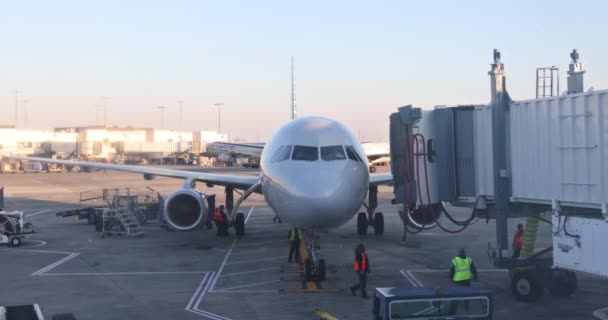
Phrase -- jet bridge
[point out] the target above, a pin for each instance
(512, 159)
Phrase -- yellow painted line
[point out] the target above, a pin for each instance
(311, 285)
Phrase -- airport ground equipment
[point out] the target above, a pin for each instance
(513, 159)
(119, 220)
(13, 228)
(22, 312)
(452, 302)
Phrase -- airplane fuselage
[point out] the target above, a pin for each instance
(314, 173)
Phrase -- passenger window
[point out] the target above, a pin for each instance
(286, 153)
(352, 154)
(330, 153)
(305, 153)
(278, 154)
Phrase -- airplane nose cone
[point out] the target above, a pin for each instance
(327, 195)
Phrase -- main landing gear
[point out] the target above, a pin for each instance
(314, 266)
(237, 220)
(375, 219)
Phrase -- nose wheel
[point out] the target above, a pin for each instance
(314, 267)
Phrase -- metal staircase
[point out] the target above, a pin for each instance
(122, 215)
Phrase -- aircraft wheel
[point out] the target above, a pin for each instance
(379, 223)
(308, 270)
(15, 242)
(322, 270)
(239, 224)
(527, 285)
(362, 223)
(372, 169)
(564, 283)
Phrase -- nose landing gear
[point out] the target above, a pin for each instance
(314, 267)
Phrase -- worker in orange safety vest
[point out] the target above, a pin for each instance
(221, 221)
(361, 267)
(518, 240)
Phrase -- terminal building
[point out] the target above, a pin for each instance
(105, 143)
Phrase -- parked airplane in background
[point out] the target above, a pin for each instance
(377, 153)
(313, 175)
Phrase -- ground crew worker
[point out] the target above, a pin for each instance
(462, 269)
(518, 240)
(361, 267)
(221, 222)
(295, 235)
(276, 216)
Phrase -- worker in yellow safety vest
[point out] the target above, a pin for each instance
(462, 269)
(295, 235)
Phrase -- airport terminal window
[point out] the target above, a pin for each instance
(352, 154)
(305, 153)
(330, 153)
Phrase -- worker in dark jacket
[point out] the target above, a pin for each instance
(361, 267)
(221, 221)
(462, 269)
(518, 240)
(294, 236)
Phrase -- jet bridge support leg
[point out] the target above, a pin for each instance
(373, 218)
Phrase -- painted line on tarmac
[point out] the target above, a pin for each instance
(255, 260)
(249, 214)
(247, 285)
(56, 264)
(446, 271)
(199, 294)
(36, 213)
(246, 272)
(253, 244)
(122, 273)
(247, 252)
(407, 277)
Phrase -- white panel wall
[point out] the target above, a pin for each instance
(484, 180)
(558, 148)
(587, 253)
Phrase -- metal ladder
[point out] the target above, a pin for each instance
(120, 220)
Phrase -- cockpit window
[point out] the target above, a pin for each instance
(278, 154)
(330, 153)
(286, 153)
(305, 153)
(282, 154)
(352, 154)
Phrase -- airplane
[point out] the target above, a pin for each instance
(377, 153)
(312, 174)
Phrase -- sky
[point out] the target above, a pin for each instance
(355, 61)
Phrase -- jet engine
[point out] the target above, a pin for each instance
(184, 209)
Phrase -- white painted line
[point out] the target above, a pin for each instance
(249, 214)
(414, 278)
(219, 271)
(407, 277)
(247, 291)
(198, 292)
(56, 264)
(121, 273)
(245, 272)
(247, 285)
(247, 252)
(26, 248)
(446, 271)
(257, 243)
(36, 213)
(256, 260)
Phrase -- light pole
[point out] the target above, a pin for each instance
(219, 116)
(16, 107)
(25, 102)
(97, 114)
(105, 110)
(162, 116)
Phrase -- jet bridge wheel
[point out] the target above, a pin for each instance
(362, 223)
(526, 285)
(563, 283)
(239, 224)
(379, 223)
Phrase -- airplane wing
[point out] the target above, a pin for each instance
(381, 179)
(228, 180)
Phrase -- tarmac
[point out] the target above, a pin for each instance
(67, 268)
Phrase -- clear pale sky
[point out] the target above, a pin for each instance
(356, 61)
